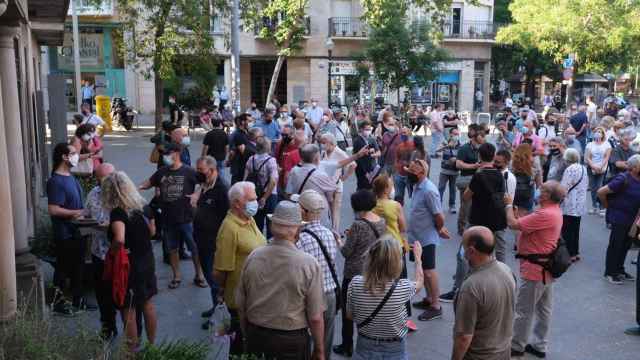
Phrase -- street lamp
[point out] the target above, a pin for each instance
(329, 44)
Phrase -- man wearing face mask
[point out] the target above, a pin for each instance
(390, 141)
(212, 207)
(89, 117)
(180, 137)
(571, 141)
(269, 128)
(176, 183)
(622, 152)
(448, 170)
(175, 113)
(366, 166)
(467, 162)
(555, 165)
(65, 205)
(528, 132)
(314, 115)
(238, 142)
(254, 112)
(237, 238)
(404, 152)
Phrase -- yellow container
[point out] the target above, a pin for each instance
(103, 109)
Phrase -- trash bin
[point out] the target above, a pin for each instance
(103, 109)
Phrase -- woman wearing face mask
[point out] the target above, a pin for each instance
(596, 157)
(90, 147)
(449, 171)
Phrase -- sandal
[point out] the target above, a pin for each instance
(175, 283)
(200, 283)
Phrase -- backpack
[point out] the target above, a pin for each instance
(497, 197)
(524, 189)
(254, 176)
(556, 263)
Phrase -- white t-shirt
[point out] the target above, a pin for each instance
(330, 166)
(93, 119)
(508, 102)
(592, 109)
(511, 183)
(598, 152)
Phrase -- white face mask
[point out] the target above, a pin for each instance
(74, 159)
(186, 141)
(168, 160)
(86, 137)
(366, 133)
(314, 104)
(597, 136)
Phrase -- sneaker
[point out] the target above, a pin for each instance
(592, 211)
(516, 353)
(635, 331)
(205, 325)
(63, 308)
(412, 326)
(423, 304)
(627, 277)
(448, 297)
(342, 350)
(430, 314)
(84, 305)
(208, 313)
(537, 353)
(614, 279)
(602, 213)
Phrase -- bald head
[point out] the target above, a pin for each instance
(552, 191)
(104, 170)
(479, 238)
(177, 135)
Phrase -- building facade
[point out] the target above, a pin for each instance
(26, 25)
(469, 34)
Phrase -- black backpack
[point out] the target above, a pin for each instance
(524, 189)
(254, 176)
(556, 263)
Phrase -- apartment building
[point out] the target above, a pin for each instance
(468, 31)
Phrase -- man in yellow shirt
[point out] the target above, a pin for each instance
(237, 238)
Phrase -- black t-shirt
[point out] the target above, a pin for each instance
(137, 237)
(469, 155)
(216, 140)
(174, 186)
(239, 137)
(213, 206)
(365, 164)
(173, 108)
(487, 206)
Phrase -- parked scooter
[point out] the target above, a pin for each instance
(121, 113)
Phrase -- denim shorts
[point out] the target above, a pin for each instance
(175, 232)
(367, 349)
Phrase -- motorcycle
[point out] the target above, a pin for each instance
(121, 113)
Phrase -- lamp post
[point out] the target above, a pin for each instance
(329, 45)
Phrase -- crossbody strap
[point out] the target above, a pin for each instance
(304, 182)
(327, 258)
(375, 312)
(579, 180)
(375, 231)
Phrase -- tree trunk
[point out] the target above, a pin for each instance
(530, 89)
(274, 80)
(374, 91)
(158, 85)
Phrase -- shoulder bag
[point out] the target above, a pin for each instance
(304, 182)
(375, 232)
(375, 312)
(332, 268)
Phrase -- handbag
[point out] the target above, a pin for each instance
(154, 157)
(332, 268)
(375, 312)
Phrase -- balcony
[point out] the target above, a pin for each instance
(481, 30)
(93, 8)
(348, 27)
(272, 23)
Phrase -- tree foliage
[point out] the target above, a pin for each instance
(161, 31)
(378, 13)
(603, 35)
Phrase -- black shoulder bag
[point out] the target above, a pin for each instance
(332, 268)
(304, 182)
(375, 312)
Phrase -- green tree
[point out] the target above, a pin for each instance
(281, 21)
(602, 35)
(161, 31)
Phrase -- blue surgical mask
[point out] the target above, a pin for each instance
(404, 137)
(251, 208)
(168, 160)
(186, 141)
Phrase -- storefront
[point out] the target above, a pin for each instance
(101, 59)
(444, 90)
(345, 85)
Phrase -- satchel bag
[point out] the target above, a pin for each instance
(332, 268)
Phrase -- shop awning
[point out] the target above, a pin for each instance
(448, 77)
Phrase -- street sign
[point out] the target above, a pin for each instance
(567, 63)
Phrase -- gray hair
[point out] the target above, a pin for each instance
(308, 153)
(238, 190)
(210, 161)
(263, 145)
(571, 155)
(633, 161)
(558, 140)
(328, 137)
(628, 132)
(556, 191)
(255, 132)
(118, 191)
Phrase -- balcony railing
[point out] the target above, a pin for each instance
(93, 8)
(272, 23)
(348, 27)
(470, 30)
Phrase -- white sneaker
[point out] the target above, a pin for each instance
(603, 213)
(592, 211)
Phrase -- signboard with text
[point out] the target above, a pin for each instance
(343, 68)
(91, 51)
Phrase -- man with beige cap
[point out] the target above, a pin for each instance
(320, 242)
(279, 296)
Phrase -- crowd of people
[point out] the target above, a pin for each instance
(259, 214)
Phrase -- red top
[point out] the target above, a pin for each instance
(539, 234)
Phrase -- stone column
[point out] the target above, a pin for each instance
(12, 127)
(8, 300)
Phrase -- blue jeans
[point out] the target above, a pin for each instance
(442, 185)
(595, 183)
(401, 183)
(174, 232)
(367, 349)
(222, 171)
(436, 141)
(261, 215)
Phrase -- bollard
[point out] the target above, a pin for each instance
(103, 109)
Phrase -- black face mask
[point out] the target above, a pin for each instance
(268, 121)
(286, 139)
(253, 107)
(412, 178)
(554, 151)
